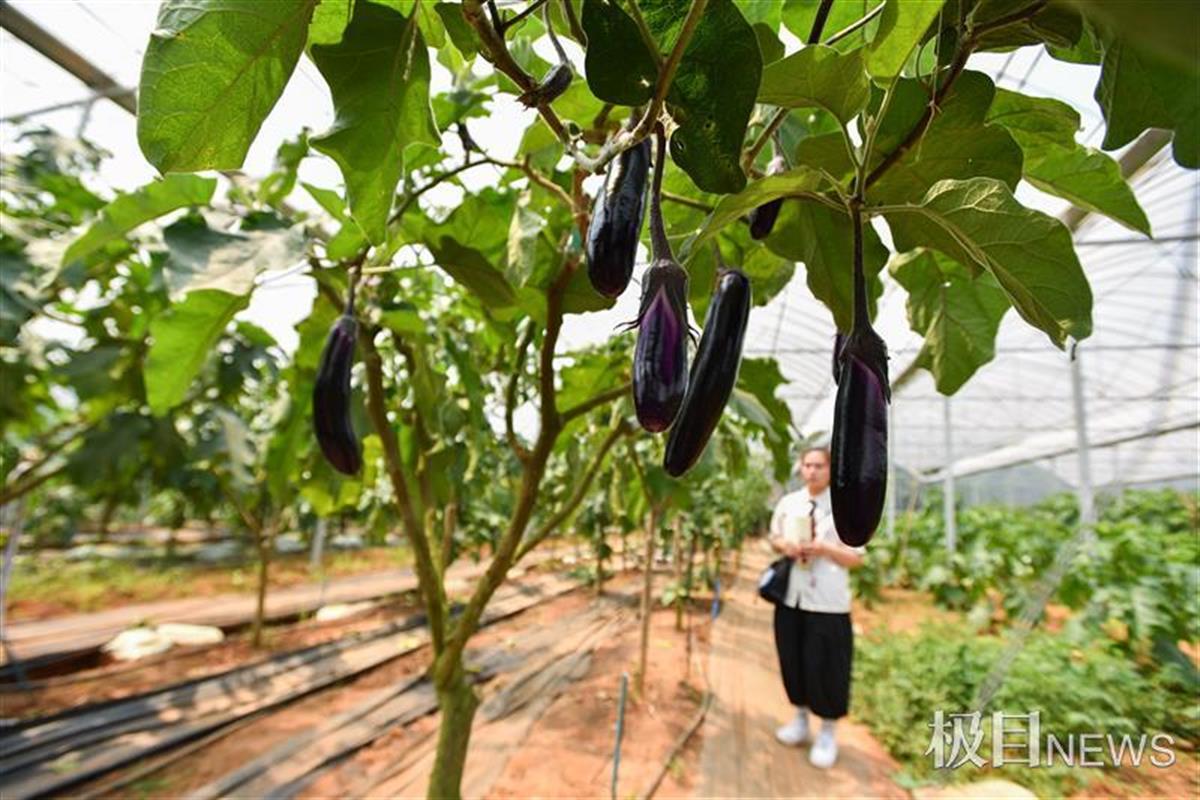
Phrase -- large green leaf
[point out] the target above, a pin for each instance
(469, 267)
(801, 179)
(524, 234)
(768, 272)
(620, 68)
(1139, 90)
(980, 224)
(958, 144)
(184, 337)
(1057, 164)
(204, 258)
(817, 77)
(713, 92)
(1162, 25)
(956, 313)
(18, 295)
(823, 238)
(329, 21)
(379, 77)
(901, 28)
(211, 74)
(131, 209)
(1054, 24)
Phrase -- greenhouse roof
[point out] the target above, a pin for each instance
(1137, 372)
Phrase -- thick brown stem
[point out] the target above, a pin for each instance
(263, 545)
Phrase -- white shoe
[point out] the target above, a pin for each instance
(795, 732)
(824, 751)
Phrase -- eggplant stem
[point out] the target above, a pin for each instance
(862, 319)
(660, 247)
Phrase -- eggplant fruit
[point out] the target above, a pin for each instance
(616, 223)
(331, 398)
(839, 341)
(860, 431)
(714, 372)
(762, 218)
(660, 375)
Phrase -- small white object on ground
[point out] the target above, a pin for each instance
(342, 610)
(184, 634)
(135, 643)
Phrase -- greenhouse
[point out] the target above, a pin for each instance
(598, 398)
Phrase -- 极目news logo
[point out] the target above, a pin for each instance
(1017, 739)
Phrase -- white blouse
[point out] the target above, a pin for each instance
(822, 584)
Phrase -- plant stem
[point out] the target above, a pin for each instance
(765, 136)
(853, 26)
(505, 25)
(558, 48)
(686, 201)
(433, 591)
(595, 402)
(660, 247)
(862, 318)
(636, 12)
(573, 23)
(510, 394)
(818, 25)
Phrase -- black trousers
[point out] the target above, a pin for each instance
(815, 652)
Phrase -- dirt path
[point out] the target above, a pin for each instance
(739, 755)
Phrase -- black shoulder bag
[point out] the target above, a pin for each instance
(773, 583)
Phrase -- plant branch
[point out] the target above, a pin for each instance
(969, 42)
(818, 25)
(431, 588)
(510, 394)
(27, 482)
(550, 525)
(595, 402)
(686, 201)
(853, 26)
(506, 24)
(765, 136)
(573, 23)
(636, 12)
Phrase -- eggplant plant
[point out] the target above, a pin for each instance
(462, 399)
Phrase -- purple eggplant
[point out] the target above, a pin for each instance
(762, 218)
(839, 341)
(331, 399)
(555, 82)
(617, 221)
(660, 369)
(860, 431)
(714, 372)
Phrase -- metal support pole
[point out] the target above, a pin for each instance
(1087, 500)
(948, 480)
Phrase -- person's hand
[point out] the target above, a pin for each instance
(814, 549)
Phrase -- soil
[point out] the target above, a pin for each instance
(117, 679)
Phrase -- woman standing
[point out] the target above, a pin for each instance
(812, 626)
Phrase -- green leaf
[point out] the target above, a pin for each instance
(329, 21)
(714, 89)
(754, 195)
(619, 67)
(956, 313)
(901, 28)
(817, 77)
(761, 377)
(821, 237)
(980, 224)
(460, 32)
(768, 43)
(18, 296)
(379, 78)
(349, 239)
(184, 336)
(523, 236)
(1057, 164)
(131, 209)
(958, 144)
(1163, 26)
(204, 258)
(768, 273)
(1140, 90)
(1055, 24)
(212, 72)
(469, 267)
